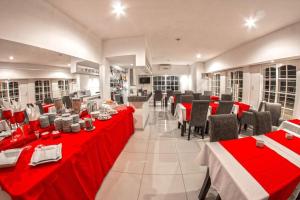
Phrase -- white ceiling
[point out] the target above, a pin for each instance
(209, 27)
(122, 61)
(23, 53)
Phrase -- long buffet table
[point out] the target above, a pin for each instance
(86, 159)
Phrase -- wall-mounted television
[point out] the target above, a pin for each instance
(144, 80)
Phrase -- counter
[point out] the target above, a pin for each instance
(141, 105)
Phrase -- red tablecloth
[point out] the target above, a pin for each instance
(46, 107)
(21, 139)
(279, 136)
(243, 107)
(188, 108)
(214, 98)
(214, 106)
(295, 121)
(87, 158)
(274, 173)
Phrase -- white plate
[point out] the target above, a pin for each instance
(46, 154)
(9, 157)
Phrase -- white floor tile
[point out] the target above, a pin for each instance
(162, 146)
(193, 184)
(120, 186)
(130, 163)
(162, 164)
(162, 187)
(189, 163)
(185, 146)
(136, 146)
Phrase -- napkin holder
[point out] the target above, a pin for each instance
(289, 136)
(260, 143)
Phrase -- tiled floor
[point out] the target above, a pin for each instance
(157, 163)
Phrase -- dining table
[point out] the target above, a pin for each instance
(239, 169)
(291, 125)
(48, 107)
(87, 157)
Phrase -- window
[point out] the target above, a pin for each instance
(63, 86)
(165, 83)
(9, 90)
(234, 84)
(280, 86)
(42, 90)
(215, 84)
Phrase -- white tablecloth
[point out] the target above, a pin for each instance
(229, 177)
(290, 126)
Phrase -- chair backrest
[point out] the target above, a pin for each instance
(39, 104)
(197, 96)
(262, 123)
(199, 113)
(157, 95)
(226, 97)
(186, 98)
(188, 92)
(208, 93)
(170, 93)
(261, 106)
(275, 110)
(204, 97)
(67, 101)
(177, 98)
(48, 100)
(225, 107)
(223, 127)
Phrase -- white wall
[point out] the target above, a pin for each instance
(31, 71)
(39, 24)
(284, 43)
(126, 46)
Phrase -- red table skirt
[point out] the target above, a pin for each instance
(46, 107)
(87, 158)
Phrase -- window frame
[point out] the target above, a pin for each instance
(166, 82)
(275, 90)
(235, 77)
(42, 89)
(216, 84)
(8, 87)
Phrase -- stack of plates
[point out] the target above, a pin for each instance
(9, 157)
(112, 112)
(75, 128)
(66, 115)
(44, 121)
(103, 117)
(58, 124)
(82, 123)
(51, 117)
(75, 118)
(95, 114)
(66, 124)
(45, 154)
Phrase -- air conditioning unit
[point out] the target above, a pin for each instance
(164, 66)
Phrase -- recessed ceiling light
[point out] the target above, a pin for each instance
(118, 9)
(11, 58)
(69, 64)
(131, 64)
(250, 22)
(272, 61)
(198, 55)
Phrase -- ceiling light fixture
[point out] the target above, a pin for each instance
(118, 9)
(198, 55)
(11, 58)
(250, 22)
